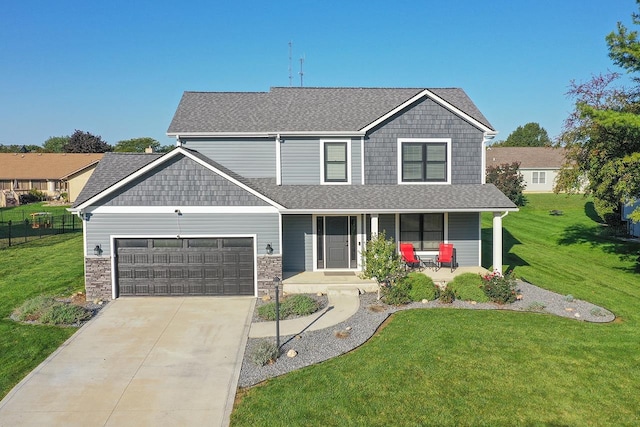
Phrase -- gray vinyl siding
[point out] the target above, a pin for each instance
(300, 161)
(356, 162)
(182, 181)
(387, 223)
(101, 226)
(251, 158)
(426, 119)
(297, 243)
(464, 233)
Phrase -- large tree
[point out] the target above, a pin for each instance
(84, 142)
(55, 144)
(16, 148)
(602, 134)
(529, 135)
(136, 145)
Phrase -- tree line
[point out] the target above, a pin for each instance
(85, 142)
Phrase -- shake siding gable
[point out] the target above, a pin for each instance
(251, 157)
(182, 182)
(426, 119)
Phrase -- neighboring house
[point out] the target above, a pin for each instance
(539, 166)
(50, 173)
(633, 228)
(290, 180)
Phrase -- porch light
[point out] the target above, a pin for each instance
(269, 250)
(97, 250)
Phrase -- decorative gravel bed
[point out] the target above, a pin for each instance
(316, 346)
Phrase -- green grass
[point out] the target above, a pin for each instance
(48, 266)
(458, 367)
(22, 212)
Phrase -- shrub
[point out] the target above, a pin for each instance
(468, 287)
(301, 305)
(47, 310)
(536, 306)
(264, 352)
(294, 305)
(447, 296)
(421, 287)
(64, 314)
(569, 298)
(499, 288)
(33, 308)
(397, 294)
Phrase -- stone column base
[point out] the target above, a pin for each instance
(97, 278)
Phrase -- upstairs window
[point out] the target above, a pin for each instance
(335, 166)
(424, 161)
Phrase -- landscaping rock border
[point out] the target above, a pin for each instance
(317, 346)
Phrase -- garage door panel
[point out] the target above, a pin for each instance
(207, 266)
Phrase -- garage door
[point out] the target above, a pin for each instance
(212, 266)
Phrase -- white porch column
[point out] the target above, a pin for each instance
(374, 225)
(497, 241)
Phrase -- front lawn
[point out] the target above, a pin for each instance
(456, 367)
(48, 266)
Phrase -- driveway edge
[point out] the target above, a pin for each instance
(233, 384)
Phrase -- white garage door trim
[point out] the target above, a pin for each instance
(113, 237)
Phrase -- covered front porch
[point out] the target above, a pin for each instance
(307, 282)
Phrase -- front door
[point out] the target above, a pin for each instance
(337, 241)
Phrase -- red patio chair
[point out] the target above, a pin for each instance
(447, 255)
(409, 257)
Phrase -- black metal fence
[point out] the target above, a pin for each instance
(17, 232)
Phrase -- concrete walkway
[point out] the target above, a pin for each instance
(343, 303)
(140, 362)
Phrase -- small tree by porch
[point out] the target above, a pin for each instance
(381, 261)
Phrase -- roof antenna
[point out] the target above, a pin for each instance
(290, 75)
(301, 72)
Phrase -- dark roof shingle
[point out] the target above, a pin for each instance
(300, 109)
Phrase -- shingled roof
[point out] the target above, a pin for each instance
(112, 169)
(528, 157)
(40, 166)
(375, 198)
(301, 109)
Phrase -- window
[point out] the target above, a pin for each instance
(336, 160)
(539, 178)
(424, 160)
(424, 231)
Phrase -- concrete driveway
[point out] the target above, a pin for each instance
(140, 362)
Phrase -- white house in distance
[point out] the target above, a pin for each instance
(539, 165)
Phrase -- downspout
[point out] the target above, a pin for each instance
(278, 161)
(178, 141)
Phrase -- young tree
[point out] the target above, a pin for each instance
(382, 262)
(602, 134)
(529, 135)
(136, 145)
(508, 179)
(55, 144)
(84, 142)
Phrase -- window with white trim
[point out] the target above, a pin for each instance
(539, 178)
(335, 161)
(424, 161)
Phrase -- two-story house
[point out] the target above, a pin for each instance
(290, 180)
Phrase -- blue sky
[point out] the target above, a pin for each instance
(118, 68)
